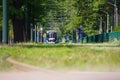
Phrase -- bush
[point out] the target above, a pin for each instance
(117, 28)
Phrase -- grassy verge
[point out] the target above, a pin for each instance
(63, 56)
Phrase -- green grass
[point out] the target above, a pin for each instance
(63, 56)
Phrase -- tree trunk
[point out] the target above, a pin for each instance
(18, 28)
(18, 23)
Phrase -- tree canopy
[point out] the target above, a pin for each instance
(62, 15)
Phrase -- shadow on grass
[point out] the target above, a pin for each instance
(37, 45)
(45, 45)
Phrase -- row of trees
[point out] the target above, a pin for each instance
(62, 15)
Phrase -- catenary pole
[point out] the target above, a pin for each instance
(5, 23)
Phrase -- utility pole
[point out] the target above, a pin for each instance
(115, 14)
(108, 23)
(35, 34)
(5, 23)
(31, 34)
(100, 28)
(26, 21)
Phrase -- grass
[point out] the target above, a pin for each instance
(63, 56)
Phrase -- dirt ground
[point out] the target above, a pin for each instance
(28, 72)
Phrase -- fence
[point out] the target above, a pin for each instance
(105, 37)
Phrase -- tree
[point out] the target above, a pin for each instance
(18, 20)
(62, 15)
(0, 15)
(109, 7)
(20, 11)
(0, 20)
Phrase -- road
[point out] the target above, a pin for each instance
(41, 75)
(28, 72)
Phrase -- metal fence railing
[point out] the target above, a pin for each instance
(105, 37)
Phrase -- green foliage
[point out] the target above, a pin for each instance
(11, 36)
(0, 14)
(0, 22)
(62, 15)
(117, 28)
(71, 14)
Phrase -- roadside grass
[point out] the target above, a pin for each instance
(63, 56)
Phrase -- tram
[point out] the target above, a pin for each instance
(51, 36)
